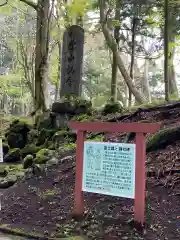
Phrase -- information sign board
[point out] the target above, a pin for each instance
(109, 168)
(1, 151)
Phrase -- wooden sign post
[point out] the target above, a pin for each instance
(140, 157)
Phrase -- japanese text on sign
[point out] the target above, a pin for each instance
(109, 168)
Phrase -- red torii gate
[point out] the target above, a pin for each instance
(140, 129)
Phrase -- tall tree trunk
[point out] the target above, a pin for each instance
(114, 80)
(42, 52)
(133, 30)
(113, 46)
(114, 63)
(172, 37)
(166, 50)
(44, 10)
(145, 81)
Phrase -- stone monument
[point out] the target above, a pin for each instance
(72, 61)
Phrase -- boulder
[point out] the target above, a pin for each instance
(46, 120)
(43, 156)
(63, 137)
(30, 149)
(112, 108)
(45, 135)
(32, 136)
(8, 181)
(17, 134)
(13, 156)
(64, 107)
(15, 140)
(83, 106)
(62, 121)
(28, 161)
(3, 171)
(73, 107)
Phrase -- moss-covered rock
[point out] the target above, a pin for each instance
(46, 120)
(13, 156)
(43, 156)
(17, 134)
(5, 147)
(83, 118)
(66, 106)
(51, 145)
(28, 161)
(63, 136)
(3, 171)
(163, 138)
(45, 135)
(112, 108)
(72, 105)
(83, 106)
(8, 181)
(30, 149)
(67, 147)
(32, 136)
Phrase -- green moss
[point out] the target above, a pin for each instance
(28, 161)
(14, 150)
(30, 149)
(45, 135)
(163, 138)
(67, 147)
(63, 137)
(62, 132)
(43, 156)
(112, 108)
(27, 120)
(83, 118)
(51, 146)
(99, 138)
(15, 169)
(49, 192)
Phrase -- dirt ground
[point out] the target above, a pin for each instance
(44, 203)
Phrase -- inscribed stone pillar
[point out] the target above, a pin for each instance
(72, 61)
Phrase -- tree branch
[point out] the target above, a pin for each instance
(30, 3)
(3, 4)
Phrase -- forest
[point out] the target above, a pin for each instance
(137, 60)
(126, 70)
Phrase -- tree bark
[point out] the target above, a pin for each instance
(44, 11)
(42, 53)
(113, 46)
(133, 30)
(172, 38)
(114, 80)
(114, 63)
(145, 81)
(166, 50)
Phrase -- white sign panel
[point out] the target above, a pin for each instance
(1, 151)
(109, 168)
